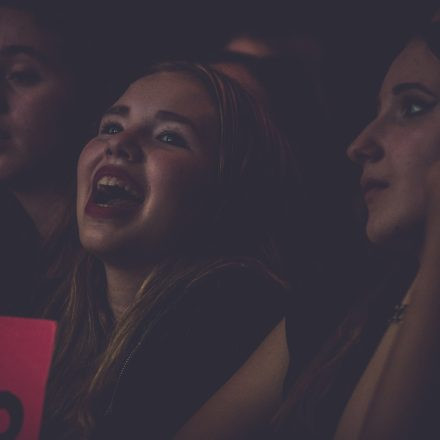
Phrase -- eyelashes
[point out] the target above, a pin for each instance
(24, 77)
(413, 107)
(170, 137)
(173, 138)
(110, 128)
(407, 105)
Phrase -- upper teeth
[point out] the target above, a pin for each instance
(115, 181)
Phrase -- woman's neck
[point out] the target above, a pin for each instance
(122, 286)
(45, 207)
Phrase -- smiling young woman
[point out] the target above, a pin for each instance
(180, 204)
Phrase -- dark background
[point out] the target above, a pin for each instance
(345, 46)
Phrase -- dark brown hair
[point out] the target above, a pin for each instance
(315, 400)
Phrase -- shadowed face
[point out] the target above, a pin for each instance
(146, 180)
(399, 146)
(35, 102)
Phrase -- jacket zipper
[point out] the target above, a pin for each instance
(109, 409)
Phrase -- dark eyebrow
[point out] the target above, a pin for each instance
(403, 87)
(118, 110)
(13, 50)
(166, 115)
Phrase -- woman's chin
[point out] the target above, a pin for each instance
(98, 244)
(395, 238)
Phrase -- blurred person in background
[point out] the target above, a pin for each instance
(50, 93)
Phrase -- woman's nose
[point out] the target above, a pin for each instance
(367, 147)
(125, 147)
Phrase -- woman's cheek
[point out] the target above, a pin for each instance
(86, 163)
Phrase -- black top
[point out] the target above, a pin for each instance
(20, 250)
(30, 270)
(192, 351)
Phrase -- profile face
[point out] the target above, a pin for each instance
(145, 181)
(399, 146)
(35, 99)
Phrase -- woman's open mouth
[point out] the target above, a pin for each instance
(114, 193)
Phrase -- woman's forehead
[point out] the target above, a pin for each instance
(19, 29)
(416, 63)
(172, 91)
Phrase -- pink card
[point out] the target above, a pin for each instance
(26, 347)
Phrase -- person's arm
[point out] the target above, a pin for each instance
(248, 399)
(398, 386)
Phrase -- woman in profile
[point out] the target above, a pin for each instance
(180, 206)
(377, 376)
(49, 95)
(395, 393)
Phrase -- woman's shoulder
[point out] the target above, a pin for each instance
(245, 291)
(239, 280)
(209, 332)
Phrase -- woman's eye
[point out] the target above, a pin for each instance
(26, 77)
(416, 108)
(172, 138)
(111, 128)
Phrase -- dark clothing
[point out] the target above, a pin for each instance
(377, 308)
(30, 270)
(20, 251)
(192, 351)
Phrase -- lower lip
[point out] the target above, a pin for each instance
(109, 212)
(372, 193)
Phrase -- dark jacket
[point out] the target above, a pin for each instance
(20, 251)
(193, 350)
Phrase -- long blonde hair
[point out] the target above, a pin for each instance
(256, 178)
